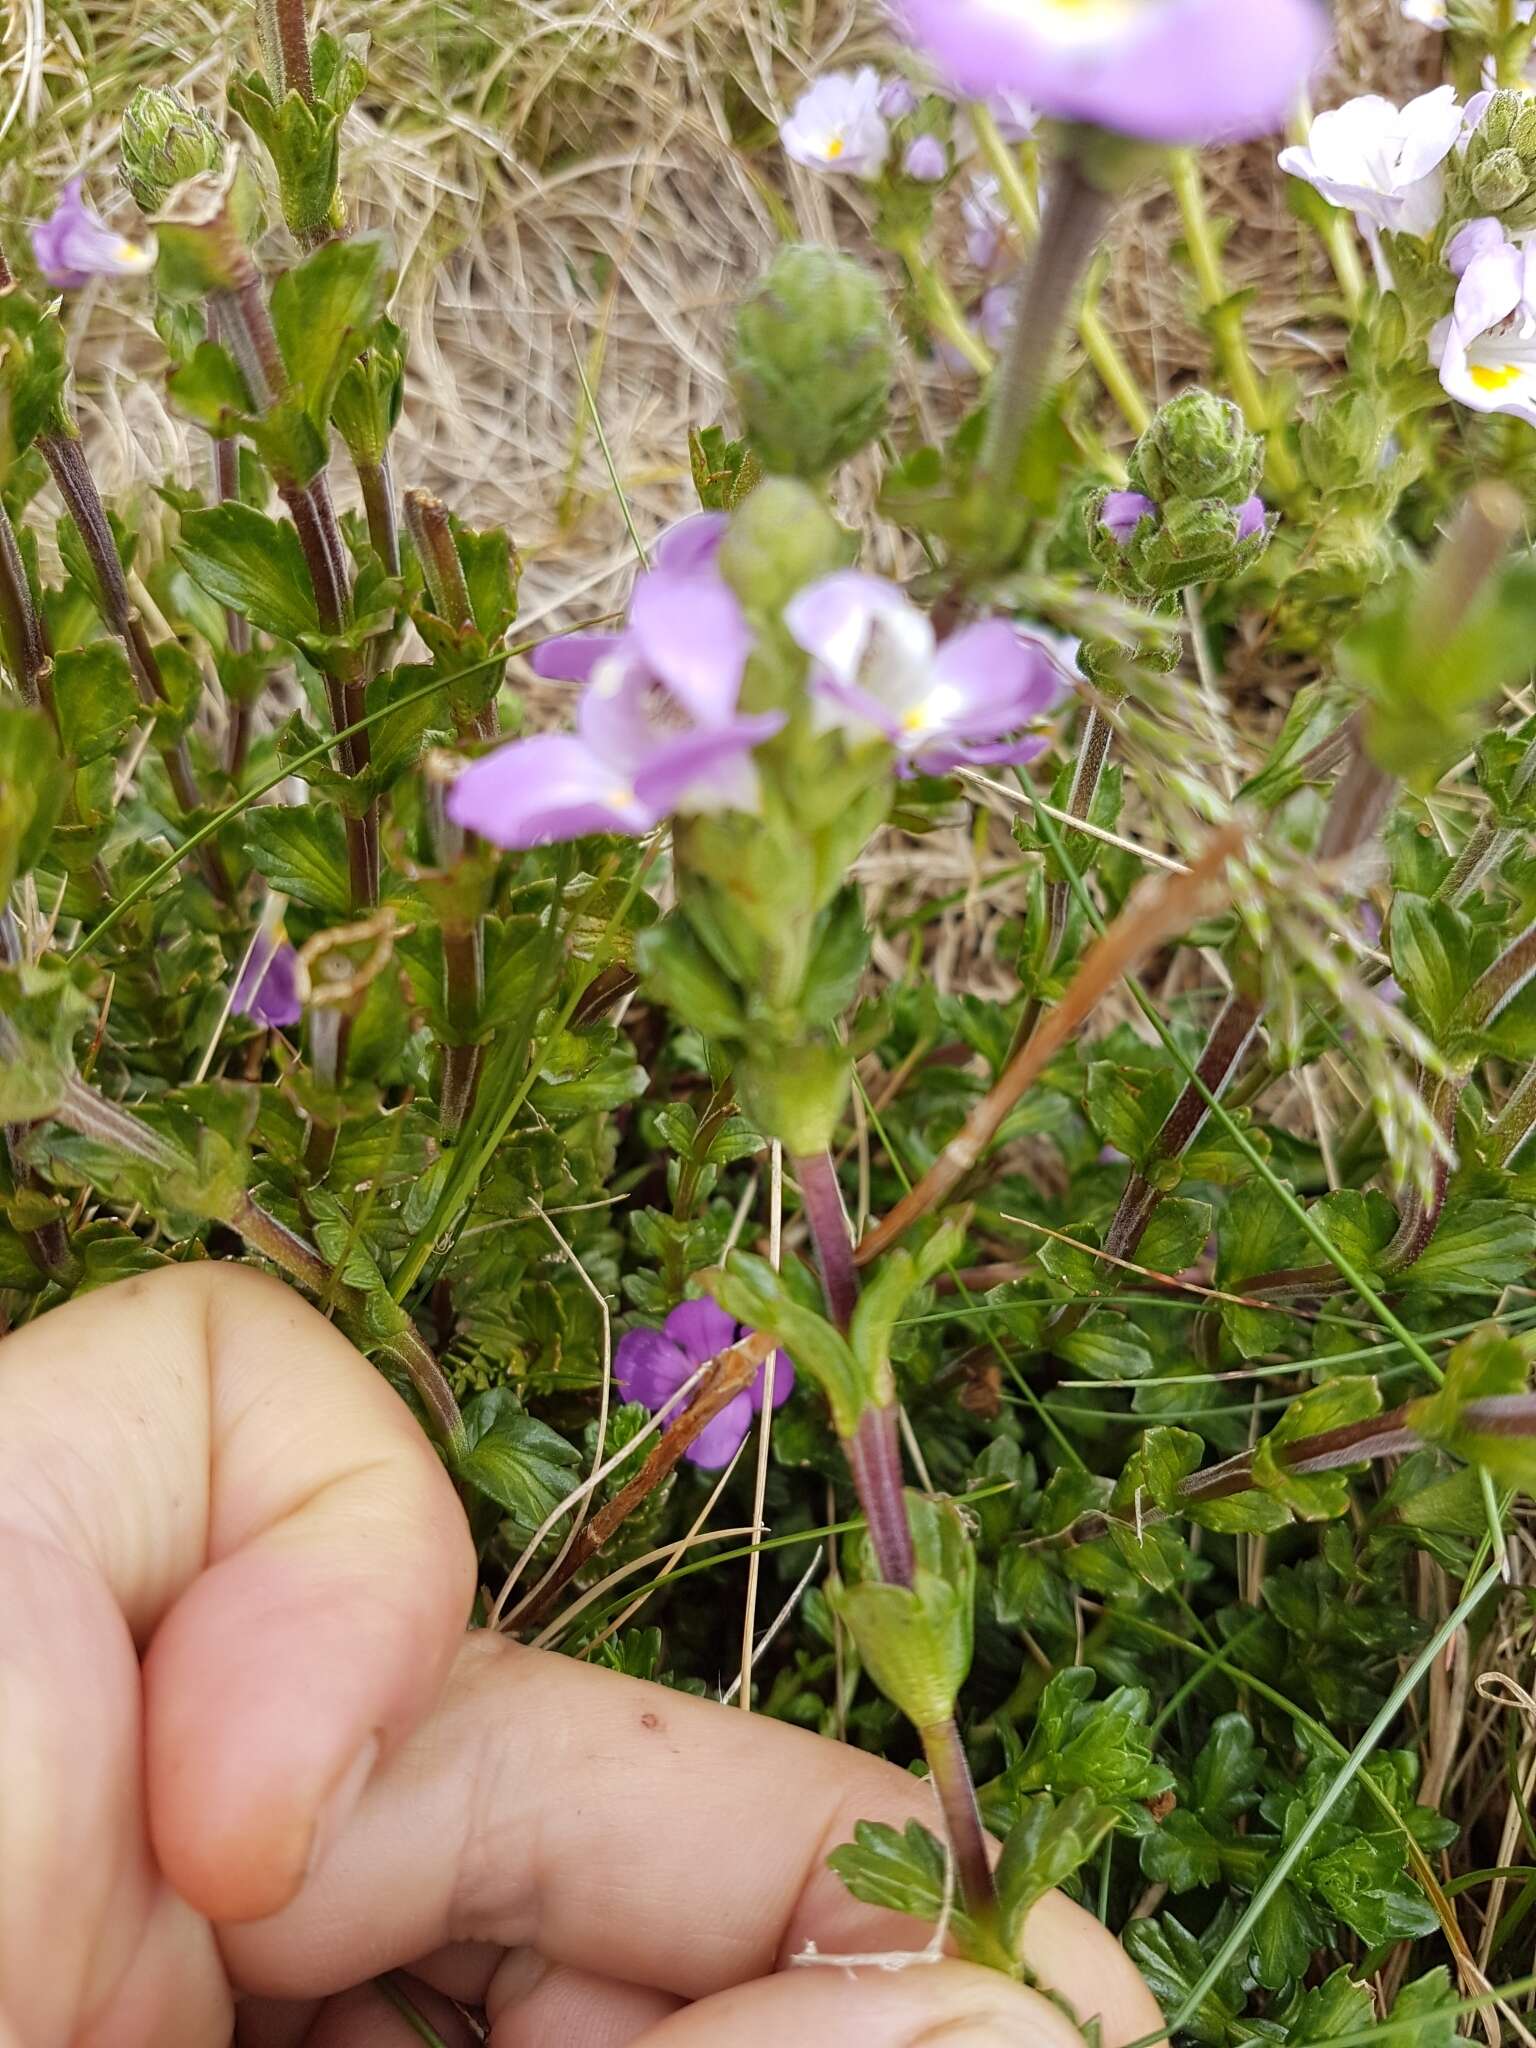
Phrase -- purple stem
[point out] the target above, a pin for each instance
(822, 1202)
(874, 1458)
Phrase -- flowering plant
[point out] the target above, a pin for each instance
(539, 1000)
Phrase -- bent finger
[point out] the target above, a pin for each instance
(941, 2005)
(537, 2004)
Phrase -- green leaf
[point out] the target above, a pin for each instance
(899, 1872)
(252, 564)
(1129, 1103)
(839, 956)
(32, 791)
(1177, 1234)
(749, 1289)
(210, 390)
(522, 1464)
(1047, 1844)
(1478, 1248)
(1173, 1961)
(41, 1014)
(680, 972)
(1108, 1347)
(302, 851)
(1424, 2013)
(323, 310)
(1431, 946)
(1181, 1852)
(96, 699)
(1102, 1746)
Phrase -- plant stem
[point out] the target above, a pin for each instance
(285, 38)
(1495, 989)
(77, 487)
(950, 1771)
(1421, 1215)
(1223, 316)
(826, 1219)
(874, 1459)
(1512, 1126)
(1156, 913)
(464, 986)
(380, 506)
(22, 631)
(432, 531)
(1074, 219)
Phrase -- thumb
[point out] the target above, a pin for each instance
(925, 2005)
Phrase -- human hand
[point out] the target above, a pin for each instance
(246, 1747)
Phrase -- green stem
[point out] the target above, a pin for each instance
(1512, 1126)
(950, 1771)
(22, 631)
(940, 308)
(1223, 316)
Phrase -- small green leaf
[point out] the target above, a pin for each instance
(1321, 1496)
(1049, 1843)
(522, 1464)
(1432, 959)
(252, 564)
(302, 851)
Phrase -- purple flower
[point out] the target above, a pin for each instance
(1167, 70)
(926, 159)
(897, 99)
(991, 322)
(1486, 350)
(878, 670)
(1383, 162)
(268, 986)
(838, 126)
(1252, 518)
(74, 245)
(1016, 117)
(987, 222)
(650, 1365)
(1123, 511)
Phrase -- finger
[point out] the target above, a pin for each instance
(367, 2018)
(630, 1831)
(268, 1516)
(537, 2004)
(943, 2005)
(95, 1951)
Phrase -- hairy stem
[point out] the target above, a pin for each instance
(1494, 990)
(950, 1771)
(874, 1459)
(1074, 220)
(381, 509)
(22, 631)
(1421, 1213)
(1513, 1124)
(827, 1221)
(284, 33)
(77, 487)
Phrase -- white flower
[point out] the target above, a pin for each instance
(1381, 161)
(1427, 13)
(1486, 350)
(837, 125)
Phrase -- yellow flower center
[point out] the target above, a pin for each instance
(1494, 376)
(835, 148)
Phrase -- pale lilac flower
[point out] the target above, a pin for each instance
(1474, 238)
(1015, 116)
(1486, 350)
(1382, 162)
(1166, 70)
(878, 670)
(650, 1365)
(991, 322)
(658, 729)
(267, 989)
(926, 159)
(1252, 517)
(837, 125)
(987, 223)
(897, 99)
(74, 245)
(1123, 511)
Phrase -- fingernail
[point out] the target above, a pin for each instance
(340, 1804)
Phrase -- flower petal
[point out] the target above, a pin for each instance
(649, 1368)
(548, 788)
(572, 657)
(701, 1330)
(692, 631)
(719, 1441)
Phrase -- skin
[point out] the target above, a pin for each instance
(249, 1759)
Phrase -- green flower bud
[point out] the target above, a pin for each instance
(781, 537)
(165, 141)
(916, 1642)
(1499, 180)
(204, 230)
(812, 361)
(369, 398)
(1198, 446)
(302, 133)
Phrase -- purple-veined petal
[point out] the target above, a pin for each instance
(837, 620)
(945, 756)
(1472, 239)
(701, 1330)
(551, 787)
(1123, 512)
(649, 1368)
(720, 1439)
(572, 657)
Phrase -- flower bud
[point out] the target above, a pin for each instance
(164, 142)
(1498, 166)
(813, 359)
(1198, 446)
(1499, 180)
(781, 537)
